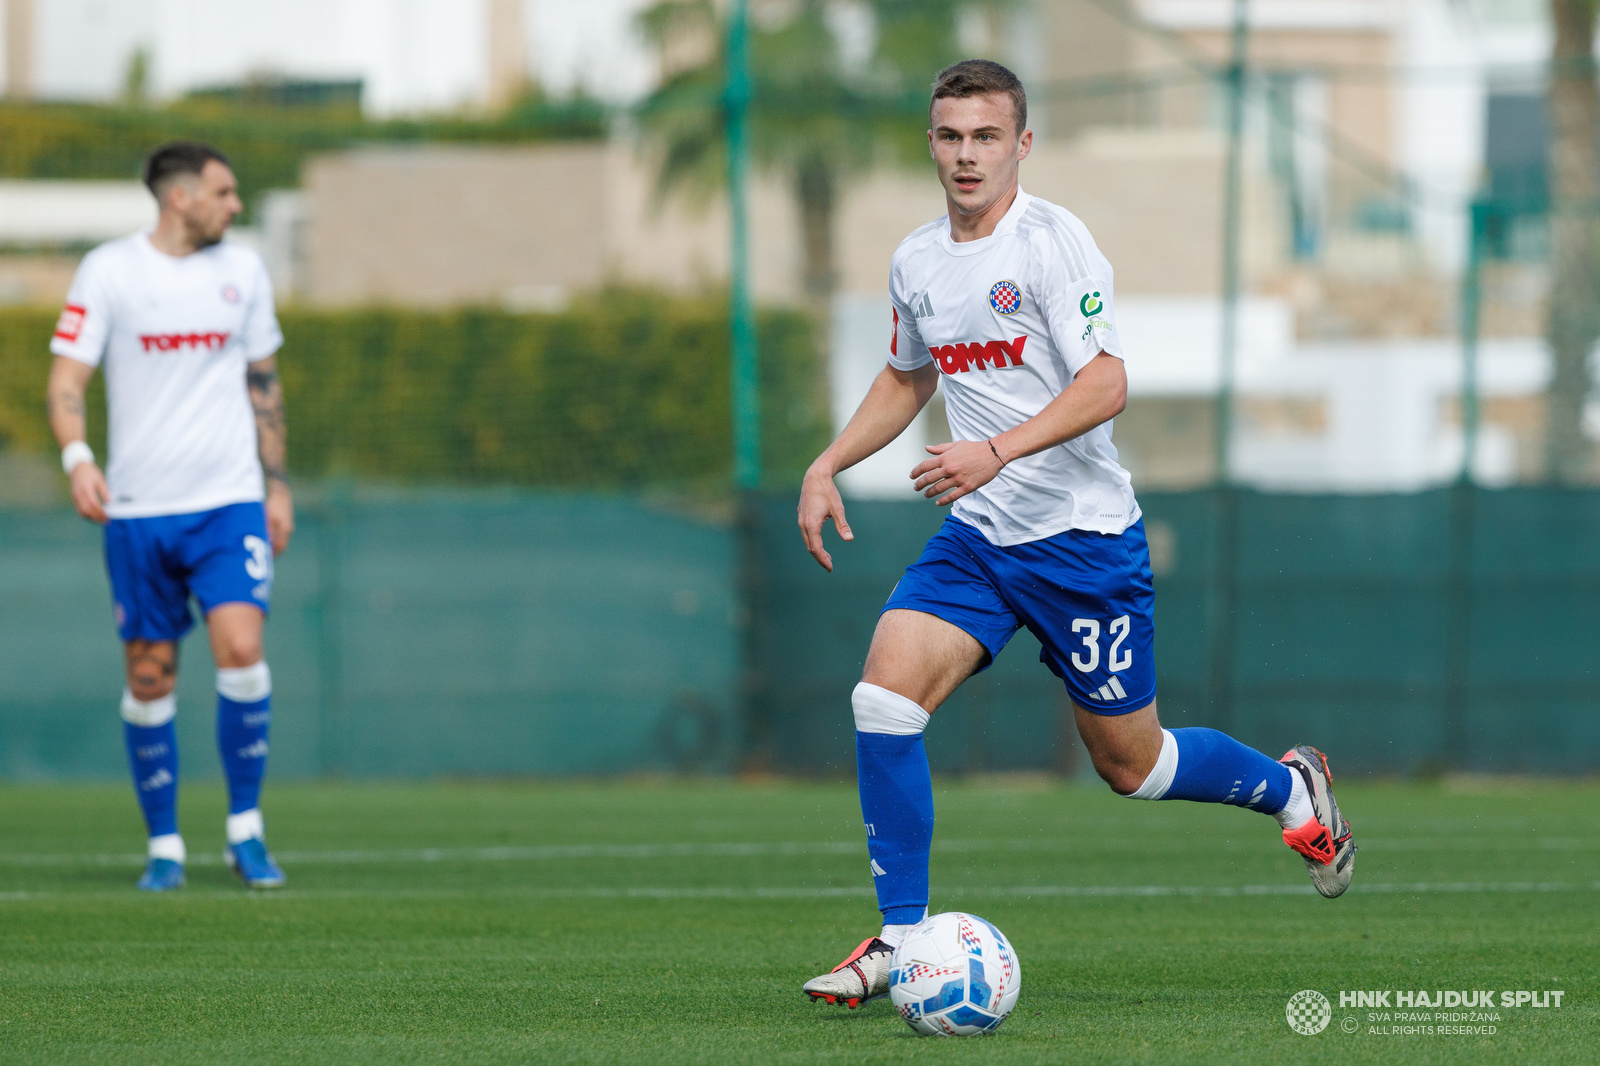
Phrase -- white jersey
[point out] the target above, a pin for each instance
(1010, 319)
(173, 335)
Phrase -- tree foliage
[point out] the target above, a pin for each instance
(822, 108)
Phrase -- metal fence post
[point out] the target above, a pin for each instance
(329, 629)
(749, 547)
(1222, 602)
(1455, 750)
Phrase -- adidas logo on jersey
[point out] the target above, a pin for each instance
(960, 358)
(922, 307)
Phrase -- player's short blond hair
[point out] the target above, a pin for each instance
(981, 77)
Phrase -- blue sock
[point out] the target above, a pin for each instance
(1215, 768)
(896, 799)
(153, 757)
(244, 715)
(897, 805)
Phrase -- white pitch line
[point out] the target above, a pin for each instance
(559, 852)
(834, 892)
(537, 853)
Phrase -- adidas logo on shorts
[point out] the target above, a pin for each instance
(1111, 690)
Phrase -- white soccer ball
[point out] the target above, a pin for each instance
(954, 975)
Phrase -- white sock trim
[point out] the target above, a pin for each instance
(245, 684)
(880, 711)
(149, 713)
(1155, 786)
(1298, 809)
(168, 846)
(895, 935)
(246, 825)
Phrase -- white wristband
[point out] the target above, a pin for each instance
(75, 453)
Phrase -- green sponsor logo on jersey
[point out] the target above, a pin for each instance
(1090, 305)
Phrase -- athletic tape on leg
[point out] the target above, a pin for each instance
(148, 713)
(880, 711)
(245, 684)
(1155, 786)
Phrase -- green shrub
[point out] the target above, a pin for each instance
(628, 389)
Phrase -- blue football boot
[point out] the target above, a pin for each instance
(161, 875)
(250, 860)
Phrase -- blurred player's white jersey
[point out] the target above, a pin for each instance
(1010, 319)
(175, 333)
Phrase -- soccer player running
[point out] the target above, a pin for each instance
(194, 499)
(1007, 300)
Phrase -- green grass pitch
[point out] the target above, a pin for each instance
(667, 923)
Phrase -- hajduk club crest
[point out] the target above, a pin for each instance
(1005, 297)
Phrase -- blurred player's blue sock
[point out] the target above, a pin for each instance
(244, 714)
(1211, 767)
(152, 740)
(896, 799)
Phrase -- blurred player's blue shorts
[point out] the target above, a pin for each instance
(156, 564)
(1088, 597)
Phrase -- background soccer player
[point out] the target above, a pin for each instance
(194, 499)
(1008, 300)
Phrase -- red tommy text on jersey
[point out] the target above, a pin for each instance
(70, 324)
(960, 358)
(175, 342)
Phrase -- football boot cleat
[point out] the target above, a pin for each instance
(251, 861)
(863, 976)
(161, 875)
(1325, 840)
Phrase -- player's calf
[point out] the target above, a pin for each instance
(1207, 766)
(151, 737)
(897, 807)
(244, 719)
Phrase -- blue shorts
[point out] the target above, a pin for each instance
(156, 564)
(1088, 597)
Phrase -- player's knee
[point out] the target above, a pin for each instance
(1143, 779)
(238, 650)
(877, 710)
(150, 686)
(1123, 777)
(151, 675)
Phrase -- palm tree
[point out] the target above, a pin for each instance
(815, 116)
(1574, 235)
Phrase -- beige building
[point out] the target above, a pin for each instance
(529, 226)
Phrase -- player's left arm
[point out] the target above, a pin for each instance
(266, 397)
(1097, 394)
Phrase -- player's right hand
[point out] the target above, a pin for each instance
(89, 492)
(820, 501)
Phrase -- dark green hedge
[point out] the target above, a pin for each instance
(267, 146)
(628, 389)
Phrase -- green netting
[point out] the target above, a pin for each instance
(503, 632)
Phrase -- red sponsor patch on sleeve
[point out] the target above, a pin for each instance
(70, 324)
(894, 338)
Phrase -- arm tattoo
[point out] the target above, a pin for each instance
(63, 402)
(266, 397)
